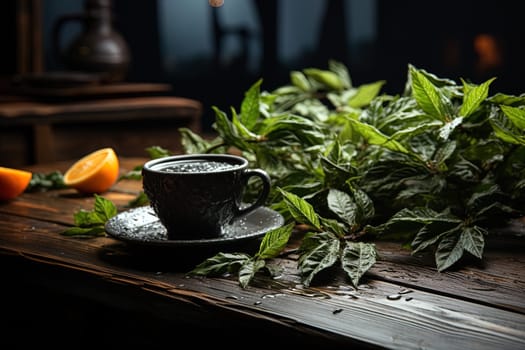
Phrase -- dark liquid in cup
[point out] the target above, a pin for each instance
(197, 166)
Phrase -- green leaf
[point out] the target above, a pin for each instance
(241, 130)
(357, 259)
(301, 210)
(317, 252)
(334, 226)
(250, 105)
(91, 222)
(425, 237)
(505, 133)
(87, 218)
(375, 137)
(452, 246)
(248, 270)
(343, 205)
(299, 79)
(473, 241)
(155, 152)
(134, 174)
(473, 97)
(274, 241)
(455, 242)
(104, 208)
(220, 263)
(423, 216)
(443, 153)
(140, 200)
(365, 204)
(428, 96)
(193, 142)
(342, 72)
(93, 231)
(449, 250)
(516, 115)
(365, 94)
(226, 129)
(325, 77)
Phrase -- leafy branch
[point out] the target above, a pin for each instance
(436, 167)
(244, 265)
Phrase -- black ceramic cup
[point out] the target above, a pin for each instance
(196, 195)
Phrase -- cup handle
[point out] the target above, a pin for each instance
(265, 178)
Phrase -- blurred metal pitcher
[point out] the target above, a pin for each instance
(99, 48)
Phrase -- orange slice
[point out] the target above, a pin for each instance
(13, 182)
(94, 173)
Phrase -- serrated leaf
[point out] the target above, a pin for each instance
(104, 208)
(449, 250)
(274, 241)
(357, 259)
(325, 77)
(248, 270)
(428, 96)
(318, 252)
(516, 116)
(428, 236)
(194, 143)
(473, 241)
(87, 218)
(473, 97)
(506, 134)
(342, 72)
(155, 152)
(333, 226)
(423, 216)
(424, 238)
(364, 203)
(444, 152)
(220, 263)
(343, 206)
(299, 79)
(301, 210)
(375, 137)
(365, 94)
(241, 130)
(226, 130)
(250, 105)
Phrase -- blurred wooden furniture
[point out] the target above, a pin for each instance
(71, 122)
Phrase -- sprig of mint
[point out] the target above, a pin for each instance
(90, 223)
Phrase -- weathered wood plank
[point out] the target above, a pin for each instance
(402, 303)
(366, 314)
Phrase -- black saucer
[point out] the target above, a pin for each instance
(140, 226)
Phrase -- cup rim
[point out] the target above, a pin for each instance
(241, 161)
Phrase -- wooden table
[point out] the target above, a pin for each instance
(58, 290)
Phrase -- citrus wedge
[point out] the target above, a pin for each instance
(13, 182)
(94, 173)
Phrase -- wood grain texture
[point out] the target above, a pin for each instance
(402, 302)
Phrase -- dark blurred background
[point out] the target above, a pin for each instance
(215, 54)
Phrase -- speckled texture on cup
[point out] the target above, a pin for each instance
(196, 205)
